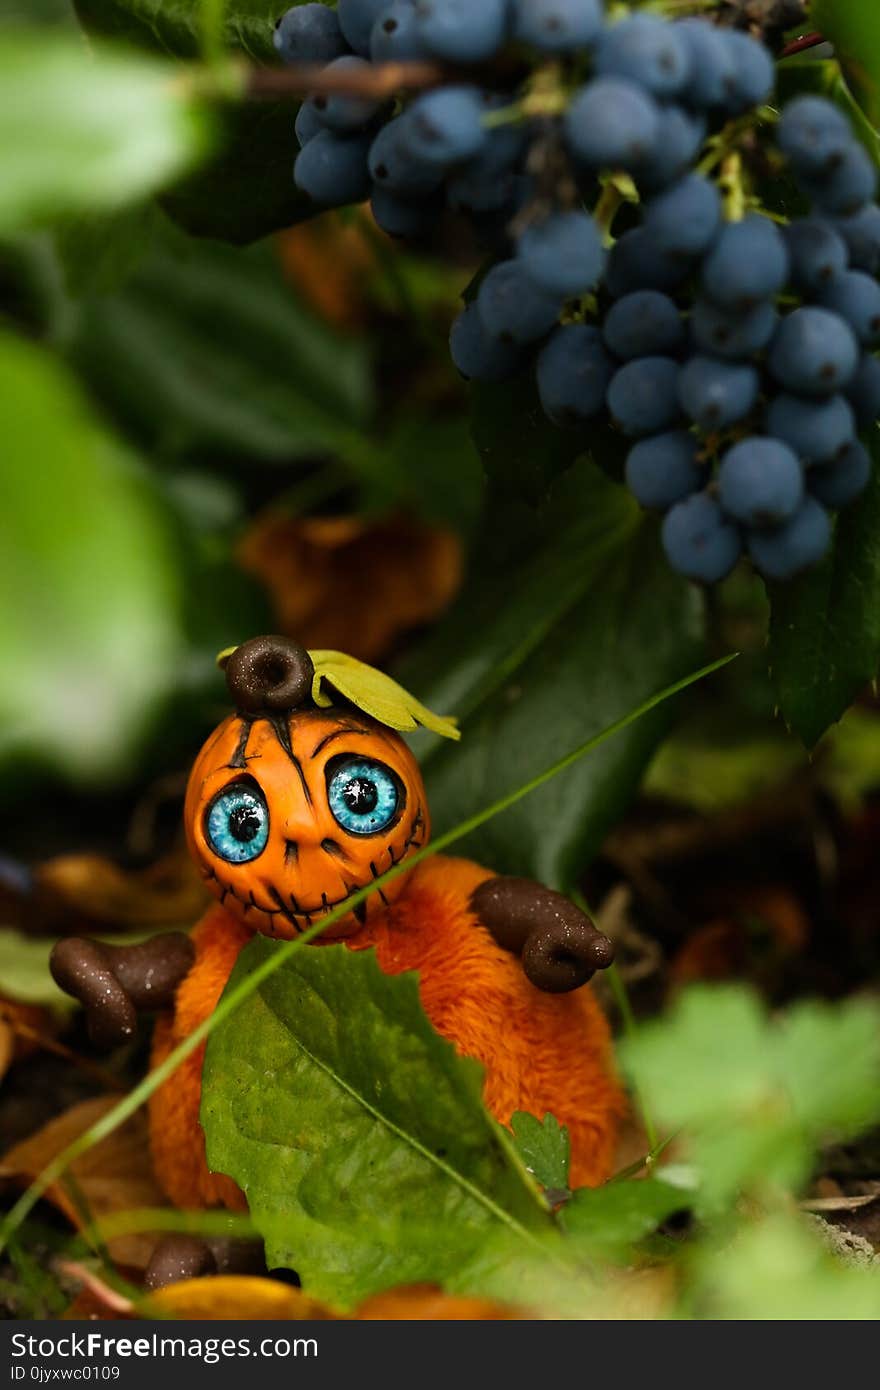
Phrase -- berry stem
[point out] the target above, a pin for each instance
(732, 184)
(799, 45)
(381, 80)
(606, 209)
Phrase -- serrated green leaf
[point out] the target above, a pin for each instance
(358, 1134)
(544, 1147)
(824, 643)
(777, 1269)
(571, 617)
(756, 1097)
(176, 25)
(86, 129)
(90, 584)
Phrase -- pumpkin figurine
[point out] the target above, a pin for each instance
(306, 794)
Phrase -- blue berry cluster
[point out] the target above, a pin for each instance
(734, 351)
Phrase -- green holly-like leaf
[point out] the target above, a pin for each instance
(825, 626)
(176, 25)
(544, 1147)
(85, 130)
(571, 617)
(358, 1134)
(854, 29)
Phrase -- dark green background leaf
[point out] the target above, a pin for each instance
(207, 349)
(247, 191)
(358, 1133)
(853, 26)
(825, 626)
(571, 618)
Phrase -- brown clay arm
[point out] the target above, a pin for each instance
(560, 947)
(114, 982)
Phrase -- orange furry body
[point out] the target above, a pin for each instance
(541, 1052)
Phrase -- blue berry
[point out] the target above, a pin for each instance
(573, 372)
(642, 396)
(748, 263)
(754, 72)
(848, 186)
(332, 169)
(699, 541)
(645, 50)
(635, 263)
(356, 19)
(814, 352)
(841, 482)
(855, 296)
(645, 323)
(512, 308)
(556, 26)
(861, 232)
(338, 110)
(818, 253)
(562, 255)
(445, 126)
(612, 124)
(486, 182)
(399, 218)
(663, 469)
(308, 124)
(394, 166)
(460, 30)
(863, 391)
(715, 394)
(760, 482)
(680, 135)
(395, 37)
(813, 134)
(726, 333)
(685, 219)
(816, 430)
(477, 356)
(783, 551)
(712, 79)
(309, 34)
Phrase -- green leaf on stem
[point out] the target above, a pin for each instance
(544, 1147)
(359, 1135)
(87, 129)
(853, 27)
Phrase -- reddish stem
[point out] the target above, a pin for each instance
(798, 45)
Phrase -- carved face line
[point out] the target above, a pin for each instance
(301, 918)
(279, 859)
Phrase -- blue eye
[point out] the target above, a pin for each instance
(364, 796)
(237, 824)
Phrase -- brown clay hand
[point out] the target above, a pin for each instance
(560, 947)
(114, 982)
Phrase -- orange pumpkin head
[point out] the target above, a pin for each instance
(290, 811)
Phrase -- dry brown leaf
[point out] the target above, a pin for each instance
(113, 1176)
(234, 1296)
(87, 889)
(328, 261)
(427, 1303)
(725, 948)
(24, 1028)
(314, 570)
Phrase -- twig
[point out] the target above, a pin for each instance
(379, 80)
(798, 45)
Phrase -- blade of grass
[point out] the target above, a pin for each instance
(132, 1102)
